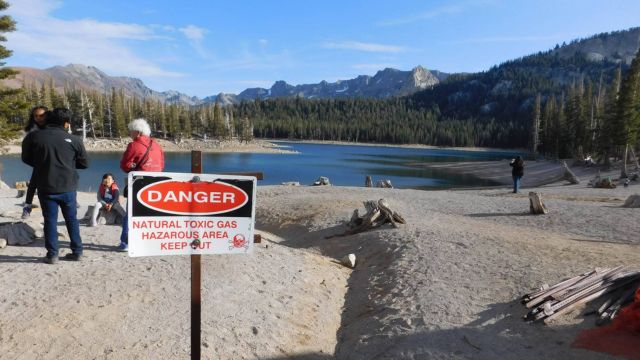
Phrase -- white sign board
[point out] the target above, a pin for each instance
(185, 214)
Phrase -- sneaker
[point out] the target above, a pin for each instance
(50, 260)
(26, 212)
(123, 247)
(72, 257)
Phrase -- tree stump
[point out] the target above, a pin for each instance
(105, 217)
(569, 175)
(536, 206)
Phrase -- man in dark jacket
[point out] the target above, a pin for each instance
(55, 155)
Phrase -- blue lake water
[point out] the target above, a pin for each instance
(344, 165)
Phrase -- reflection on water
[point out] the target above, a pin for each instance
(344, 165)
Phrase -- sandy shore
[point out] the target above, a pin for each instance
(408, 146)
(186, 145)
(444, 286)
(536, 173)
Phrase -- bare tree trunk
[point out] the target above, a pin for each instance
(635, 159)
(623, 173)
(84, 121)
(569, 175)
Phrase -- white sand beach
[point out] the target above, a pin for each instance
(446, 285)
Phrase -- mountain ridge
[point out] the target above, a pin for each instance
(385, 83)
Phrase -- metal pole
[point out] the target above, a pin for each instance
(196, 296)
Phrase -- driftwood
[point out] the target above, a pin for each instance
(599, 182)
(368, 182)
(378, 214)
(291, 183)
(569, 175)
(384, 184)
(322, 180)
(550, 302)
(536, 206)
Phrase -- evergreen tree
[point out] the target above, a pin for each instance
(604, 137)
(627, 122)
(219, 128)
(12, 104)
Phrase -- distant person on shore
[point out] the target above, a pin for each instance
(55, 155)
(108, 196)
(517, 172)
(37, 121)
(142, 154)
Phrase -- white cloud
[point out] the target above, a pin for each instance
(195, 35)
(56, 41)
(193, 32)
(361, 46)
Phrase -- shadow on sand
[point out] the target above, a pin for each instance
(365, 332)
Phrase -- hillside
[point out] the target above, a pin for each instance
(507, 91)
(93, 79)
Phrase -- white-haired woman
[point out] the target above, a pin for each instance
(142, 154)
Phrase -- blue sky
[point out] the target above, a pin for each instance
(205, 47)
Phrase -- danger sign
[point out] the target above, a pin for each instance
(185, 214)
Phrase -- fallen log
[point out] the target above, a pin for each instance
(569, 175)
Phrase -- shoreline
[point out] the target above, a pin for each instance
(257, 146)
(405, 146)
(265, 146)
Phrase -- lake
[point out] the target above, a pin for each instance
(344, 165)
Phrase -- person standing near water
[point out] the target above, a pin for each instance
(517, 172)
(55, 155)
(37, 120)
(142, 154)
